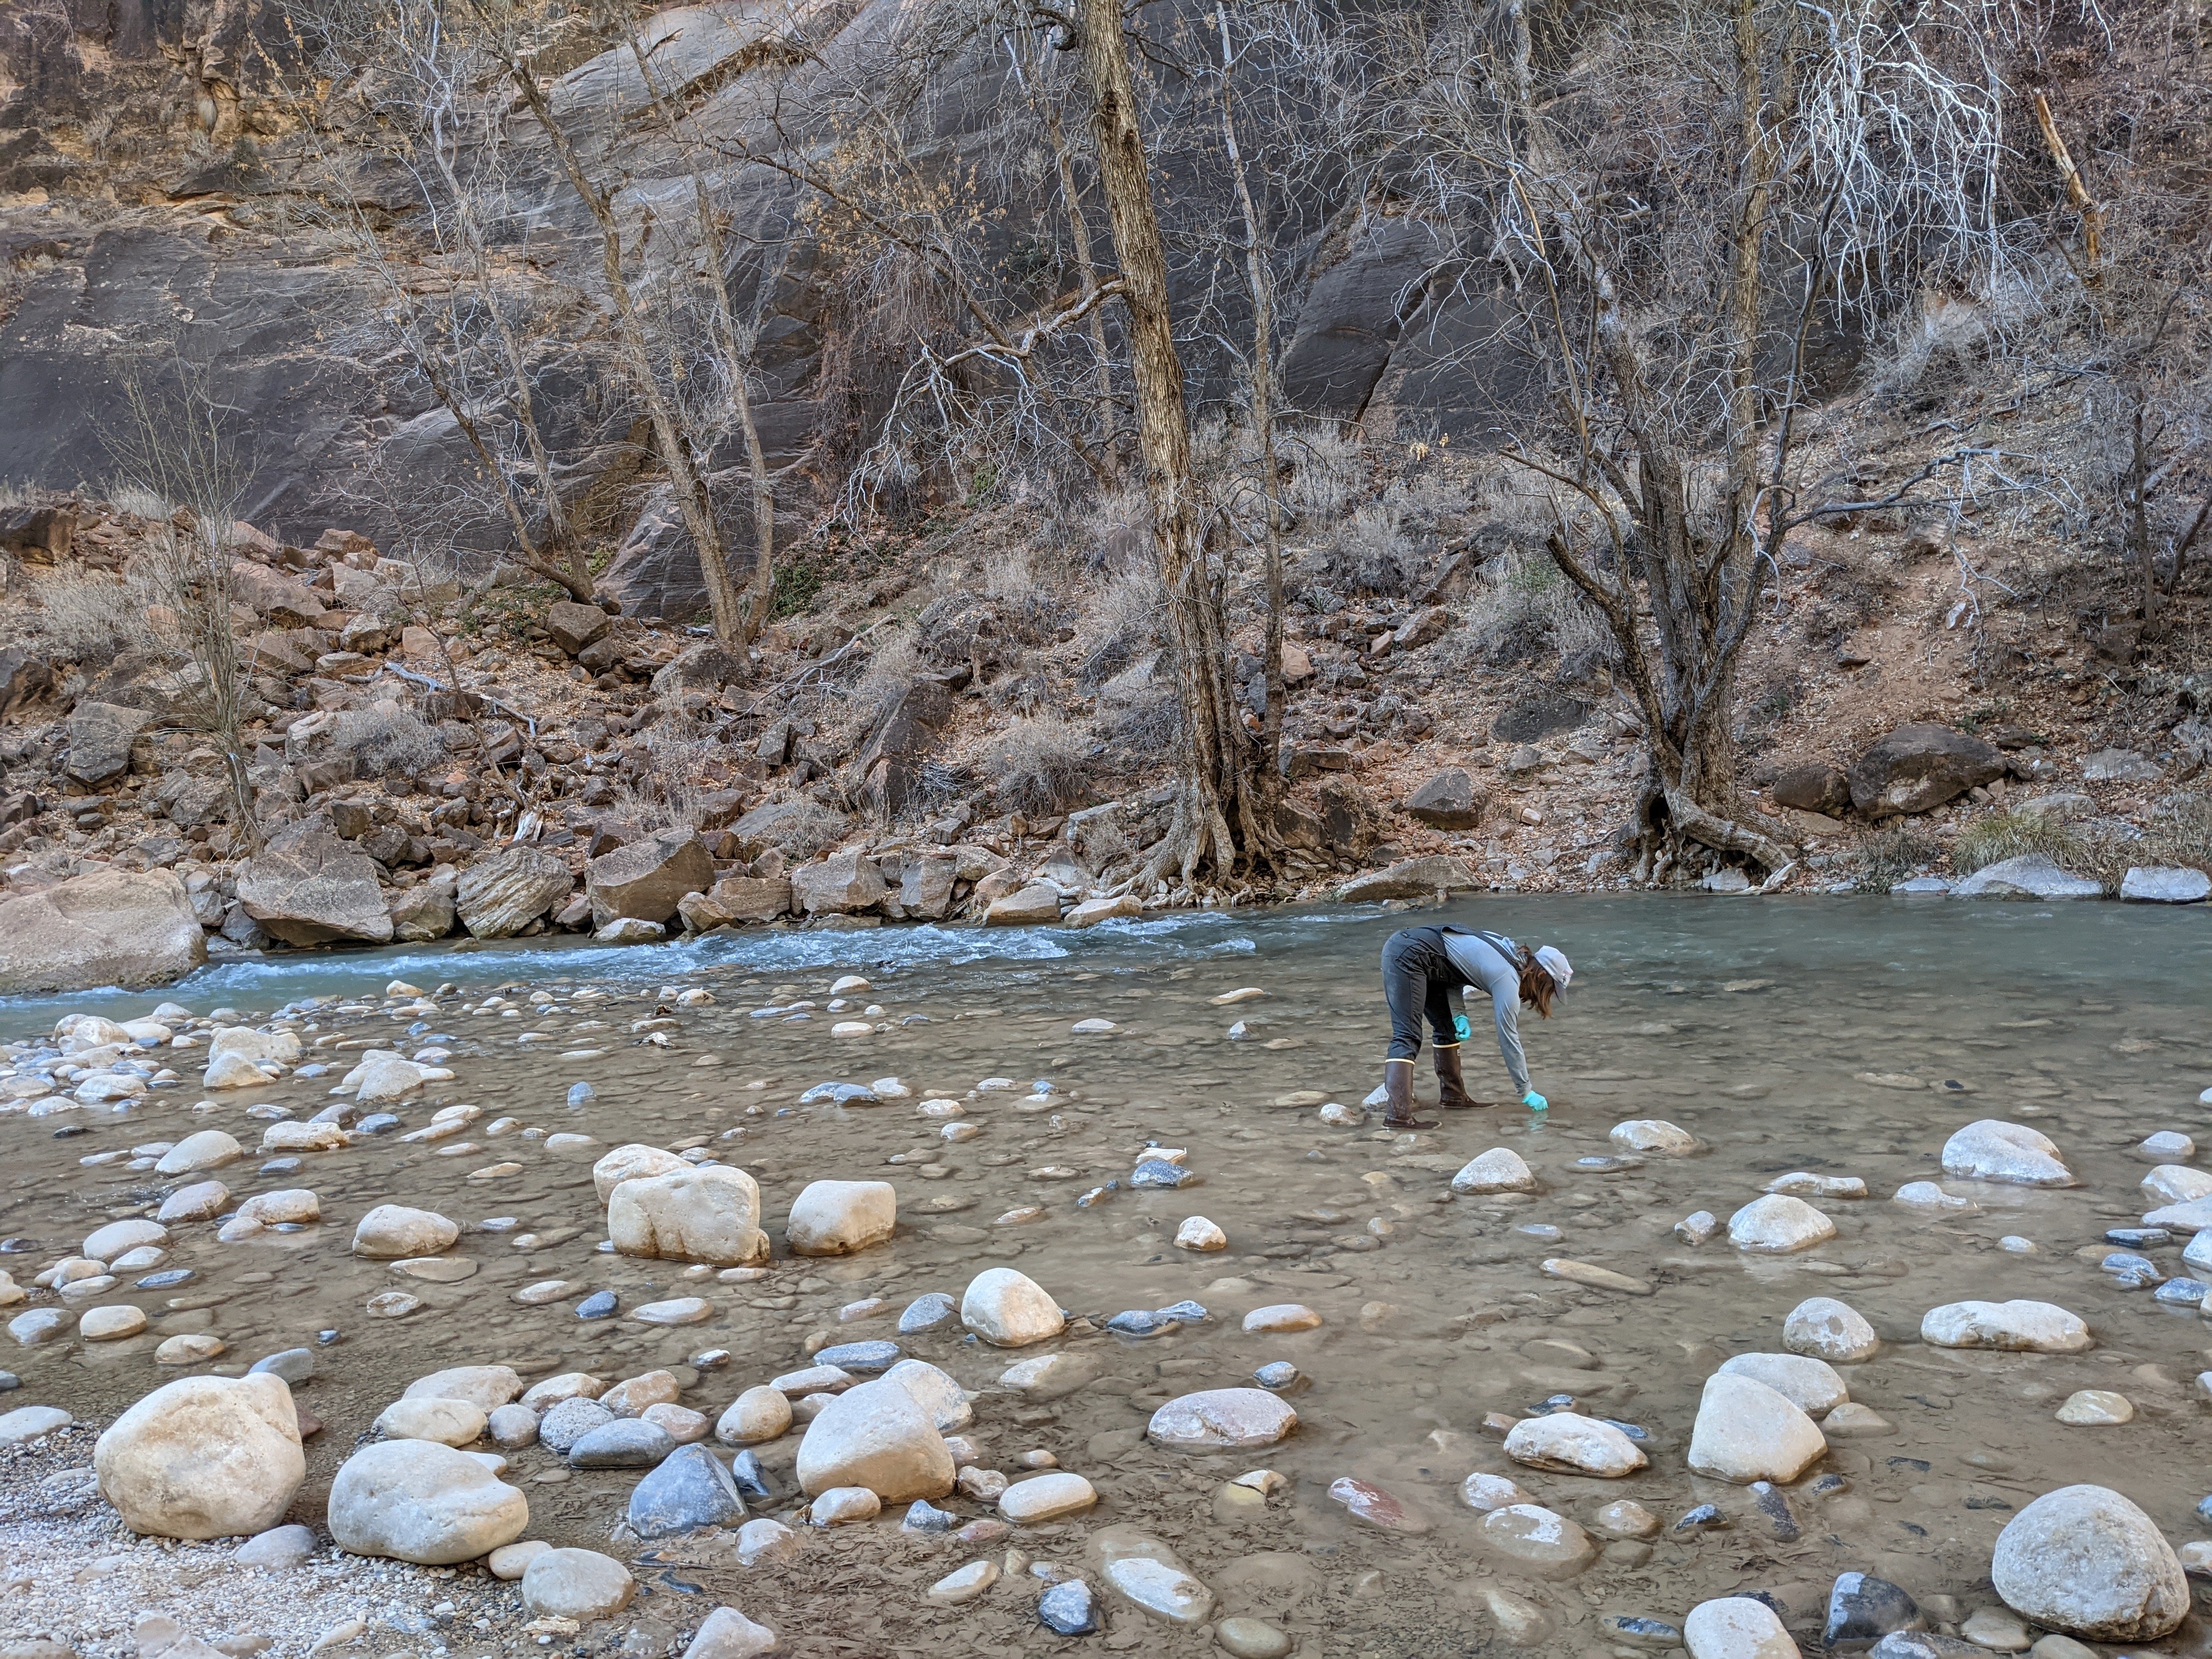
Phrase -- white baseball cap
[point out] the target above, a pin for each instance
(1553, 961)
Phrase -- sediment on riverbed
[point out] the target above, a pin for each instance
(982, 1300)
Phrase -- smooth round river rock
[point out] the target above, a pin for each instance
(2085, 1560)
(415, 1500)
(203, 1457)
(1222, 1419)
(1571, 1442)
(1779, 1224)
(1010, 1310)
(1748, 1431)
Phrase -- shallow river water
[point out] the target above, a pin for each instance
(1844, 1038)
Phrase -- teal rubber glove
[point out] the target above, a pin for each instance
(1460, 1028)
(1535, 1102)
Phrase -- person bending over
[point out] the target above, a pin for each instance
(1423, 969)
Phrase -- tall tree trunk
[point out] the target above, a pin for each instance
(1102, 399)
(735, 345)
(685, 483)
(1215, 800)
(1262, 283)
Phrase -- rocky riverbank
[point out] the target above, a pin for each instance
(428, 762)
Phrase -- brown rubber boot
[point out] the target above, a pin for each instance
(1451, 1085)
(1398, 1083)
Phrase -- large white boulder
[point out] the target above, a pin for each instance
(1222, 1419)
(710, 1213)
(415, 1500)
(876, 1435)
(1828, 1330)
(2086, 1561)
(2018, 1327)
(1779, 1224)
(1500, 1169)
(1737, 1627)
(628, 1162)
(836, 1217)
(110, 927)
(936, 1392)
(1748, 1431)
(1992, 1151)
(1573, 1443)
(392, 1232)
(1010, 1310)
(203, 1457)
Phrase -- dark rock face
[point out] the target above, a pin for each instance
(706, 667)
(24, 677)
(1817, 789)
(891, 761)
(1449, 800)
(1538, 717)
(736, 899)
(280, 320)
(1916, 768)
(1350, 822)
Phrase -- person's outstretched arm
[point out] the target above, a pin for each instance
(1505, 1001)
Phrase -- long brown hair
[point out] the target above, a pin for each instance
(1537, 986)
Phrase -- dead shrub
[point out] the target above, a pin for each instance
(86, 617)
(384, 739)
(1328, 471)
(1037, 764)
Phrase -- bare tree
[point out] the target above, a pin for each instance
(1220, 813)
(460, 318)
(178, 446)
(1667, 274)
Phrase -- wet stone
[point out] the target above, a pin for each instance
(1864, 1608)
(1365, 1501)
(689, 1489)
(928, 1313)
(1068, 1608)
(600, 1304)
(861, 1356)
(1158, 1172)
(922, 1516)
(627, 1443)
